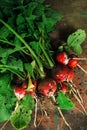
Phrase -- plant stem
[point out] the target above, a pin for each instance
(11, 70)
(42, 74)
(47, 57)
(4, 41)
(44, 52)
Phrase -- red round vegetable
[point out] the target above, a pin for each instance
(73, 63)
(62, 58)
(32, 94)
(24, 85)
(60, 73)
(19, 92)
(63, 88)
(47, 87)
(70, 75)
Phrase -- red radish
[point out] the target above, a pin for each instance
(63, 88)
(24, 85)
(60, 73)
(19, 92)
(32, 94)
(62, 58)
(73, 63)
(47, 87)
(70, 75)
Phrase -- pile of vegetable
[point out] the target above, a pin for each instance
(29, 66)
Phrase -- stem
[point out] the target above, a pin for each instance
(4, 41)
(82, 69)
(30, 84)
(44, 52)
(19, 49)
(47, 57)
(42, 74)
(11, 70)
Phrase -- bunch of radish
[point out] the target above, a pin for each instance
(70, 62)
(27, 87)
(64, 72)
(61, 79)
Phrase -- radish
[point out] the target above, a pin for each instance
(32, 94)
(74, 63)
(62, 58)
(24, 85)
(63, 88)
(60, 73)
(47, 87)
(19, 92)
(70, 75)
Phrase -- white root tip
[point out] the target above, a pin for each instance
(80, 58)
(61, 114)
(82, 69)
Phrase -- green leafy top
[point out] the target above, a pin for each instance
(21, 117)
(64, 102)
(7, 97)
(24, 34)
(24, 41)
(75, 40)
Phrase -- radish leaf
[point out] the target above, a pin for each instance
(75, 40)
(64, 102)
(7, 97)
(21, 117)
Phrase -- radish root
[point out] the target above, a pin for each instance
(60, 112)
(79, 102)
(77, 96)
(82, 69)
(80, 58)
(4, 125)
(35, 117)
